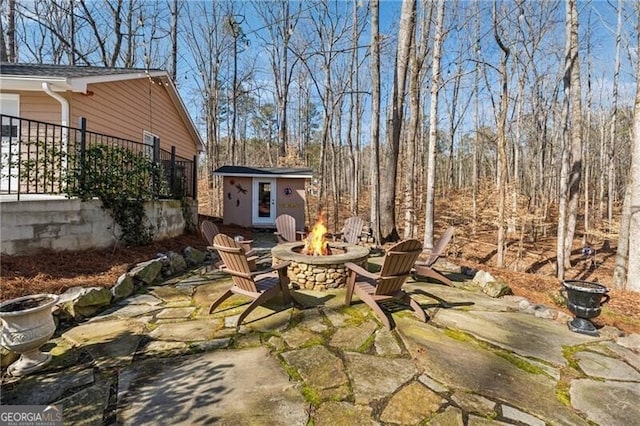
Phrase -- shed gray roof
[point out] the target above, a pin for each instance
(290, 172)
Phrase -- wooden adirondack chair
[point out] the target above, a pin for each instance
(386, 285)
(352, 230)
(259, 286)
(286, 229)
(210, 230)
(425, 269)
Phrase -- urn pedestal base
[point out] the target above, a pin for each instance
(583, 326)
(29, 362)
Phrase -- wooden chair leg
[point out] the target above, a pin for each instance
(420, 313)
(351, 282)
(227, 294)
(432, 273)
(257, 302)
(367, 299)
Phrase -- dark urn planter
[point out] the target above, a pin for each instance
(584, 300)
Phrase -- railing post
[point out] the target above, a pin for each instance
(194, 179)
(172, 175)
(155, 178)
(83, 156)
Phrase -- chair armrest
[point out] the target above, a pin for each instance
(361, 271)
(302, 234)
(281, 265)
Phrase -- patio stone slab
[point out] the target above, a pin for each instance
(374, 378)
(126, 311)
(186, 331)
(517, 332)
(43, 389)
(318, 367)
(141, 299)
(109, 343)
(298, 337)
(633, 358)
(462, 364)
(343, 413)
(411, 405)
(621, 407)
(175, 313)
(451, 416)
(475, 404)
(386, 343)
(313, 320)
(87, 406)
(222, 387)
(352, 338)
(598, 365)
(171, 294)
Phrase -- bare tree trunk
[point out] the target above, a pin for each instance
(502, 142)
(575, 175)
(620, 275)
(417, 59)
(174, 40)
(561, 242)
(614, 125)
(433, 124)
(375, 120)
(631, 207)
(389, 183)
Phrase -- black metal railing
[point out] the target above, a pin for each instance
(45, 158)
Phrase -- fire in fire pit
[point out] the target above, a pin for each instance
(316, 242)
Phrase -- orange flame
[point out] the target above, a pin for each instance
(316, 243)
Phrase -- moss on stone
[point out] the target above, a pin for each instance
(458, 335)
(311, 395)
(519, 362)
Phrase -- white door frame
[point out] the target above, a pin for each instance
(257, 217)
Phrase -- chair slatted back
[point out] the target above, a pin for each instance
(352, 229)
(286, 226)
(235, 261)
(438, 249)
(397, 265)
(209, 231)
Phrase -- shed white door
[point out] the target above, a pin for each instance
(264, 201)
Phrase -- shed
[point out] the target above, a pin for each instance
(255, 196)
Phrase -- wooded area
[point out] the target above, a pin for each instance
(398, 102)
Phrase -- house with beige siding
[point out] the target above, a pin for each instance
(44, 106)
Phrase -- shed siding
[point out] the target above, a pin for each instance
(292, 204)
(237, 207)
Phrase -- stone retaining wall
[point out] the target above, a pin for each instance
(28, 226)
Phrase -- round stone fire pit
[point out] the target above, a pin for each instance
(319, 272)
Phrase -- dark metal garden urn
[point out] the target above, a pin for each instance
(584, 300)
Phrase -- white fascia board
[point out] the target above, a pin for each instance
(33, 84)
(63, 84)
